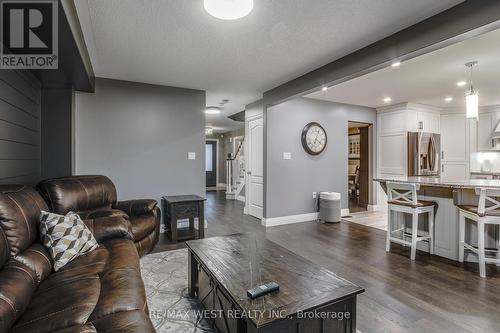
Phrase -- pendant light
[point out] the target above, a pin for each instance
(472, 96)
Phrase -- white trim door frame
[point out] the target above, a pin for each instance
(254, 186)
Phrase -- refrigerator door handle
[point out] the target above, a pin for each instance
(418, 158)
(432, 154)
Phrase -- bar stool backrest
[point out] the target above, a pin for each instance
(487, 199)
(404, 193)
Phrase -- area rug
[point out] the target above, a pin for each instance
(165, 276)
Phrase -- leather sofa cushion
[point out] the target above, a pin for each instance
(4, 248)
(102, 212)
(125, 322)
(67, 304)
(137, 207)
(78, 193)
(87, 328)
(145, 245)
(106, 228)
(20, 208)
(142, 226)
(101, 291)
(38, 259)
(17, 285)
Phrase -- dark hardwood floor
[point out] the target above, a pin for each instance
(430, 294)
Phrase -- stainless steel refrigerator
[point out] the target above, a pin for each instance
(424, 151)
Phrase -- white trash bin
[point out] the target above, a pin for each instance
(329, 206)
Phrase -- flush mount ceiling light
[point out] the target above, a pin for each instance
(228, 9)
(461, 83)
(324, 89)
(387, 100)
(472, 96)
(448, 99)
(396, 64)
(212, 110)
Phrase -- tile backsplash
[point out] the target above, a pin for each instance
(485, 162)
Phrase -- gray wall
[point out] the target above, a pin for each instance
(57, 132)
(140, 135)
(290, 183)
(20, 96)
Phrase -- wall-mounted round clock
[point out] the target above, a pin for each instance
(314, 138)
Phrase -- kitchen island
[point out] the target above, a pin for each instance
(447, 194)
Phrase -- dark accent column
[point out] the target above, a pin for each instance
(57, 132)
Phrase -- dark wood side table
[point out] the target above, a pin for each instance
(178, 207)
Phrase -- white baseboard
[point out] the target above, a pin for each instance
(274, 221)
(245, 211)
(344, 212)
(240, 198)
(372, 208)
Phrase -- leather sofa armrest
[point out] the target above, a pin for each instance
(106, 228)
(137, 207)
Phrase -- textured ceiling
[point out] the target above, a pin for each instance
(430, 78)
(176, 43)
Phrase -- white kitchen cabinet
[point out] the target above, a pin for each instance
(485, 127)
(455, 171)
(392, 154)
(408, 117)
(454, 147)
(454, 138)
(393, 124)
(428, 122)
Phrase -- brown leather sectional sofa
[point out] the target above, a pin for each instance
(101, 291)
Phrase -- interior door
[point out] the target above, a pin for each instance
(255, 171)
(211, 163)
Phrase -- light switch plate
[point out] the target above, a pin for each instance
(191, 155)
(287, 156)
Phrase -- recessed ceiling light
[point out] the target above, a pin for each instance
(461, 83)
(396, 64)
(448, 99)
(212, 110)
(324, 89)
(387, 100)
(228, 9)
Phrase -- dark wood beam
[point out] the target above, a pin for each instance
(72, 71)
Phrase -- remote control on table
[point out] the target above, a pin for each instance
(262, 290)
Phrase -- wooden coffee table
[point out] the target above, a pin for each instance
(311, 298)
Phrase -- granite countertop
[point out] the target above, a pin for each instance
(439, 182)
(492, 173)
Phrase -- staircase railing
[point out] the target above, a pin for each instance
(235, 173)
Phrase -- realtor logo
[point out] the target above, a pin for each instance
(29, 35)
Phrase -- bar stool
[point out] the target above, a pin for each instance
(481, 216)
(402, 197)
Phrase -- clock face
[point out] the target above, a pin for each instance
(314, 138)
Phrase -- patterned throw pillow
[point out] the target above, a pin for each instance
(65, 236)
